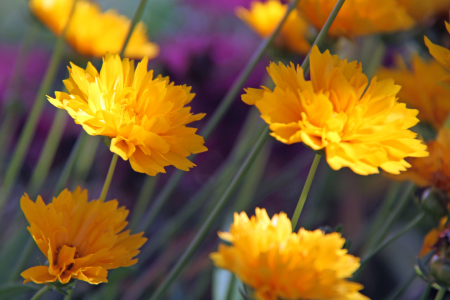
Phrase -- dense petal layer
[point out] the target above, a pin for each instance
(279, 264)
(81, 239)
(145, 117)
(360, 126)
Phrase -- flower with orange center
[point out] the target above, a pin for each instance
(81, 240)
(433, 170)
(424, 10)
(280, 264)
(419, 88)
(93, 32)
(359, 126)
(145, 117)
(357, 17)
(264, 18)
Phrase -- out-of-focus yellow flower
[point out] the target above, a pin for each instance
(81, 239)
(433, 170)
(360, 130)
(264, 18)
(419, 88)
(423, 10)
(93, 32)
(358, 17)
(146, 117)
(279, 264)
(442, 55)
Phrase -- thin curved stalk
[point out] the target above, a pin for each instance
(109, 176)
(40, 293)
(30, 126)
(305, 191)
(217, 116)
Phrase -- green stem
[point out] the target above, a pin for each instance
(136, 18)
(389, 240)
(7, 130)
(24, 255)
(402, 203)
(202, 233)
(47, 154)
(221, 203)
(82, 136)
(381, 216)
(142, 203)
(217, 116)
(69, 295)
(426, 292)
(440, 294)
(324, 31)
(305, 191)
(30, 125)
(398, 292)
(40, 293)
(109, 176)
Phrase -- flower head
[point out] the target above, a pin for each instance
(359, 128)
(433, 170)
(423, 10)
(81, 239)
(144, 116)
(419, 88)
(264, 18)
(279, 264)
(358, 17)
(93, 32)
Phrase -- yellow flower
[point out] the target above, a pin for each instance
(81, 239)
(433, 170)
(279, 264)
(423, 10)
(360, 130)
(144, 116)
(358, 17)
(92, 32)
(419, 88)
(264, 18)
(432, 237)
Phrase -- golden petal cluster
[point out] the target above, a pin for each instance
(423, 10)
(81, 240)
(419, 88)
(433, 170)
(92, 32)
(263, 18)
(359, 125)
(144, 116)
(358, 17)
(432, 237)
(280, 264)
